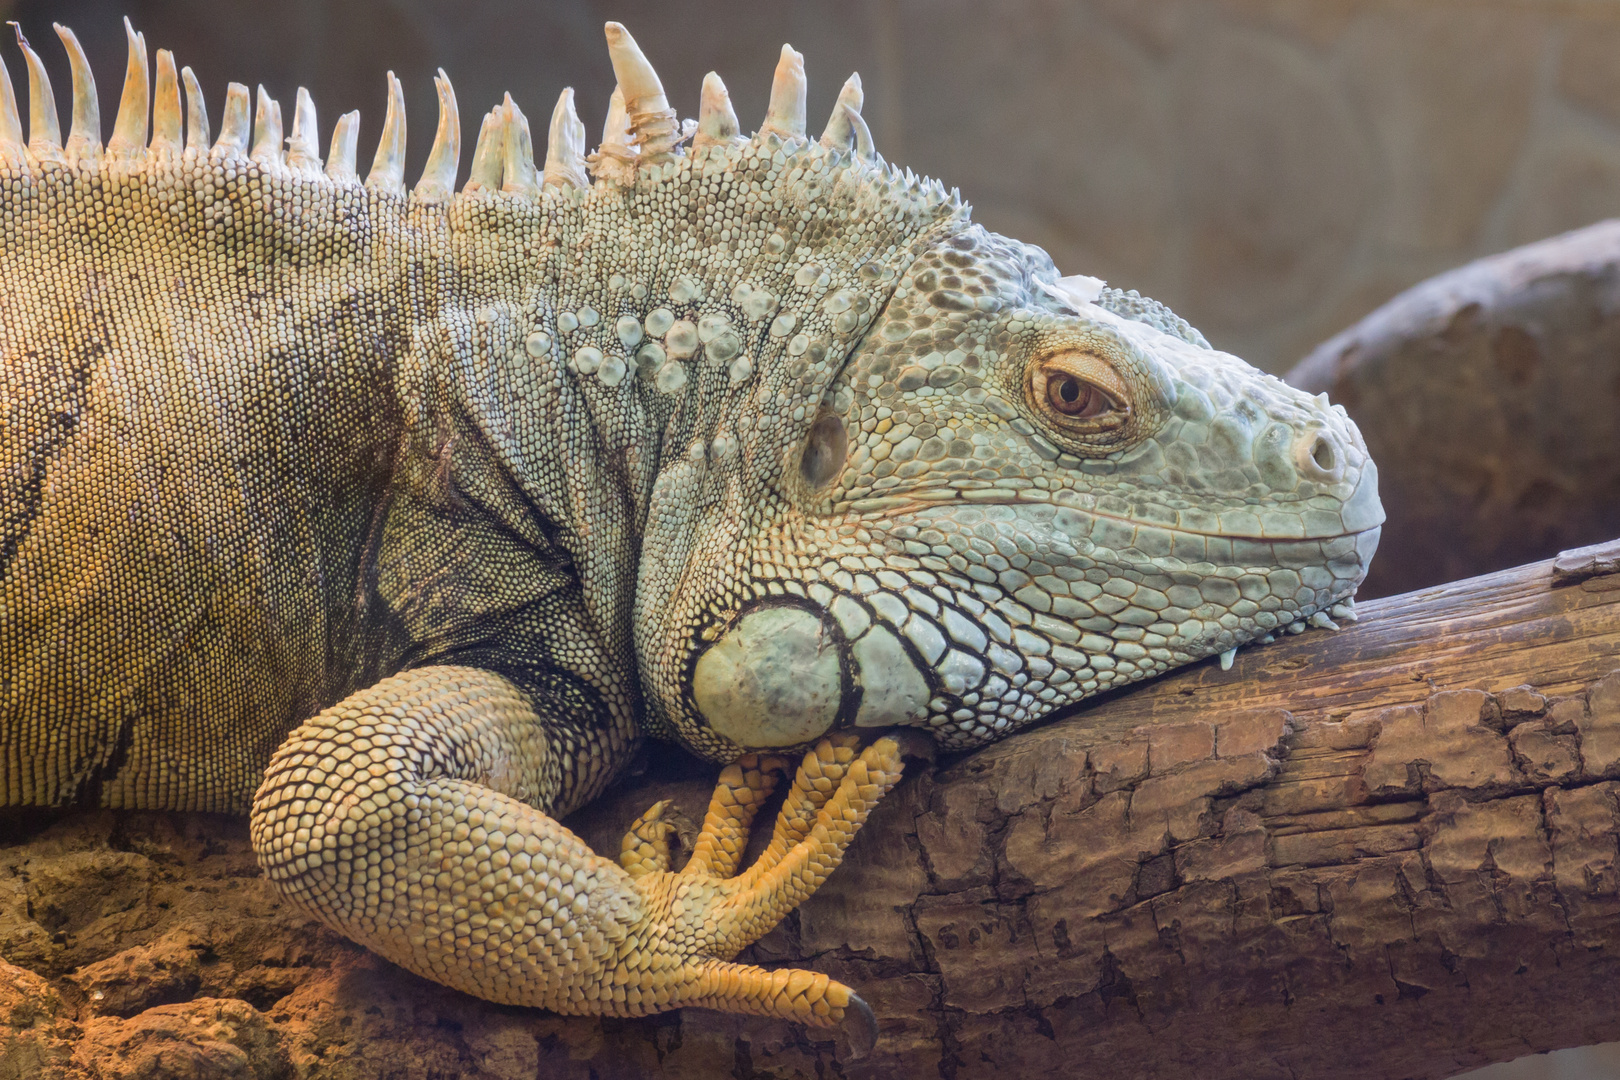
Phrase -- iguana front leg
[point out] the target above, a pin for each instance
(402, 818)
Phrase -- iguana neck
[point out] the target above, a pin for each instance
(566, 330)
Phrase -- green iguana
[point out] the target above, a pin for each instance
(400, 518)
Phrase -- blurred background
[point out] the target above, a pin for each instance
(1272, 169)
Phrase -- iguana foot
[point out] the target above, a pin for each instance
(706, 915)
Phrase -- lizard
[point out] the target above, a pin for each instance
(400, 519)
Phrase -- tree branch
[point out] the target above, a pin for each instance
(1365, 854)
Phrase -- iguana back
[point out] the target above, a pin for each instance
(199, 423)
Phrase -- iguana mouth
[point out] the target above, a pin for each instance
(1359, 511)
(922, 506)
(908, 509)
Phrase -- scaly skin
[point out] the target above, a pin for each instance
(400, 519)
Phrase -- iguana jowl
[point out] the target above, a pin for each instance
(401, 517)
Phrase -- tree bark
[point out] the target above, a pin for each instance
(1392, 851)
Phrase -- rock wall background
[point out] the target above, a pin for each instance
(1488, 395)
(1273, 169)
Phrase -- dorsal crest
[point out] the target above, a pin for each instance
(644, 141)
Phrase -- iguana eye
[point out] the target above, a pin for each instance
(1076, 397)
(1079, 394)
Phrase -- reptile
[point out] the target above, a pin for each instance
(400, 520)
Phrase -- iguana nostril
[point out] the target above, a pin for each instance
(1319, 457)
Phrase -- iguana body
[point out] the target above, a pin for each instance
(752, 444)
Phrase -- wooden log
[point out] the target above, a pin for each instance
(1371, 854)
(1392, 851)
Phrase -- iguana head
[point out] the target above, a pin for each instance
(1012, 491)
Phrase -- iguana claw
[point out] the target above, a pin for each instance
(859, 1026)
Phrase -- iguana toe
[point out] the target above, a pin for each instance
(744, 787)
(646, 846)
